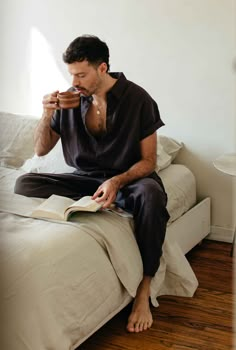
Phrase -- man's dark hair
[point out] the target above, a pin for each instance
(87, 47)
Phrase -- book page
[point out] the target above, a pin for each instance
(83, 202)
(86, 203)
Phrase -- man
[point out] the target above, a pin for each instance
(111, 141)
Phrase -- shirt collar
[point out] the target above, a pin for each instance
(119, 86)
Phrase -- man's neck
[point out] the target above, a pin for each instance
(106, 86)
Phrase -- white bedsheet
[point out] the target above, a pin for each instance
(61, 281)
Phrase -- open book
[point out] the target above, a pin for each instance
(60, 208)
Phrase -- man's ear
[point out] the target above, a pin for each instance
(103, 67)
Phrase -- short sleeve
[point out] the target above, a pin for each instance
(55, 122)
(150, 118)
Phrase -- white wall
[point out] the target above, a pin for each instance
(181, 51)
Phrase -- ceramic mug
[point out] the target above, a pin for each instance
(68, 99)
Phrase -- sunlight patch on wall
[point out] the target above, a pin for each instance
(45, 75)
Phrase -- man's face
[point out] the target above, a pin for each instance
(86, 77)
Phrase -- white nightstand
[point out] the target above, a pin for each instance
(227, 164)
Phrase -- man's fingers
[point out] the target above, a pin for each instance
(51, 101)
(54, 93)
(109, 200)
(100, 196)
(51, 106)
(105, 193)
(97, 195)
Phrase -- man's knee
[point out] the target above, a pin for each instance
(21, 185)
(152, 192)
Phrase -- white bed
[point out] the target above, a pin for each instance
(60, 282)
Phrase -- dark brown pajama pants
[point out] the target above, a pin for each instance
(144, 198)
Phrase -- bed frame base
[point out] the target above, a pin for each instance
(192, 227)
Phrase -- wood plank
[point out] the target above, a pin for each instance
(203, 322)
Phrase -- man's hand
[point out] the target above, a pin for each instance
(107, 192)
(50, 103)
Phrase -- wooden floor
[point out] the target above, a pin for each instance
(203, 322)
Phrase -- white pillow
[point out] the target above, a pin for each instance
(163, 159)
(170, 146)
(16, 142)
(167, 150)
(53, 162)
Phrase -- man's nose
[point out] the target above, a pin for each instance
(75, 81)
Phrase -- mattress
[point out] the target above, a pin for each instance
(180, 186)
(179, 182)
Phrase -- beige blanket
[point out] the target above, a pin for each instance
(60, 281)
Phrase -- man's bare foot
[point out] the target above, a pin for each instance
(140, 318)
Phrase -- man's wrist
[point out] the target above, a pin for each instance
(116, 181)
(47, 114)
(119, 180)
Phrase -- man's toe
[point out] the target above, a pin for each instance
(130, 327)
